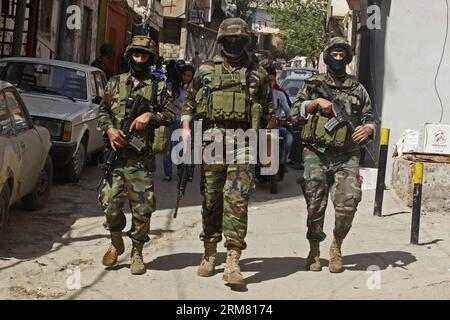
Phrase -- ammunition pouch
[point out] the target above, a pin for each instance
(256, 115)
(229, 106)
(202, 102)
(161, 140)
(225, 97)
(314, 133)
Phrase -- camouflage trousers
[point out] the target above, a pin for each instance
(335, 174)
(135, 184)
(227, 189)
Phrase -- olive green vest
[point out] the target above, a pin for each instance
(225, 97)
(157, 137)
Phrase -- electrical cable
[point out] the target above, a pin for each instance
(440, 63)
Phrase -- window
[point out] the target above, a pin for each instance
(292, 86)
(5, 118)
(46, 79)
(93, 87)
(172, 31)
(19, 115)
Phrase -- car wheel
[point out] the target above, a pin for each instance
(5, 195)
(73, 170)
(37, 199)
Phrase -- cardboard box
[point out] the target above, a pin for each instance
(368, 178)
(435, 139)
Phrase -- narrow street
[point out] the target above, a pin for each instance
(43, 253)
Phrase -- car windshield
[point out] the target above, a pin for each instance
(292, 86)
(297, 72)
(46, 79)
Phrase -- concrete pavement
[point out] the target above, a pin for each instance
(44, 255)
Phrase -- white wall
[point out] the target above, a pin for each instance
(263, 19)
(414, 39)
(340, 7)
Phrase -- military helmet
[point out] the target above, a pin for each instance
(338, 43)
(143, 44)
(234, 27)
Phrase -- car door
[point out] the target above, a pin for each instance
(28, 140)
(11, 155)
(10, 152)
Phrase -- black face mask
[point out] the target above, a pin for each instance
(139, 69)
(337, 67)
(235, 50)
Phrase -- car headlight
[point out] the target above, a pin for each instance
(54, 127)
(59, 130)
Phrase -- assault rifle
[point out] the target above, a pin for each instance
(341, 116)
(134, 108)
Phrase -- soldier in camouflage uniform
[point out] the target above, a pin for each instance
(132, 177)
(246, 99)
(332, 159)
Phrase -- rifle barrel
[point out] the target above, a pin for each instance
(175, 214)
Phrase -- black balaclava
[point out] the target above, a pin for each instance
(140, 69)
(235, 51)
(337, 68)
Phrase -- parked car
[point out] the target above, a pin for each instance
(63, 97)
(301, 72)
(292, 84)
(26, 169)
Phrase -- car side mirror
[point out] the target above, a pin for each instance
(97, 100)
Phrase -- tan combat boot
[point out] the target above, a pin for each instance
(115, 250)
(207, 265)
(137, 261)
(336, 256)
(313, 260)
(232, 273)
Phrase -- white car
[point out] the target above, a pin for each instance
(63, 97)
(293, 84)
(26, 169)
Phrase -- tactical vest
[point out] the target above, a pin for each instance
(314, 132)
(156, 137)
(224, 96)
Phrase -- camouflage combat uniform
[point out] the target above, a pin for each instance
(133, 178)
(227, 187)
(333, 170)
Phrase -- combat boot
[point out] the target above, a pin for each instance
(232, 273)
(313, 260)
(115, 250)
(336, 256)
(207, 265)
(137, 261)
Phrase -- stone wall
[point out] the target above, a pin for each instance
(436, 184)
